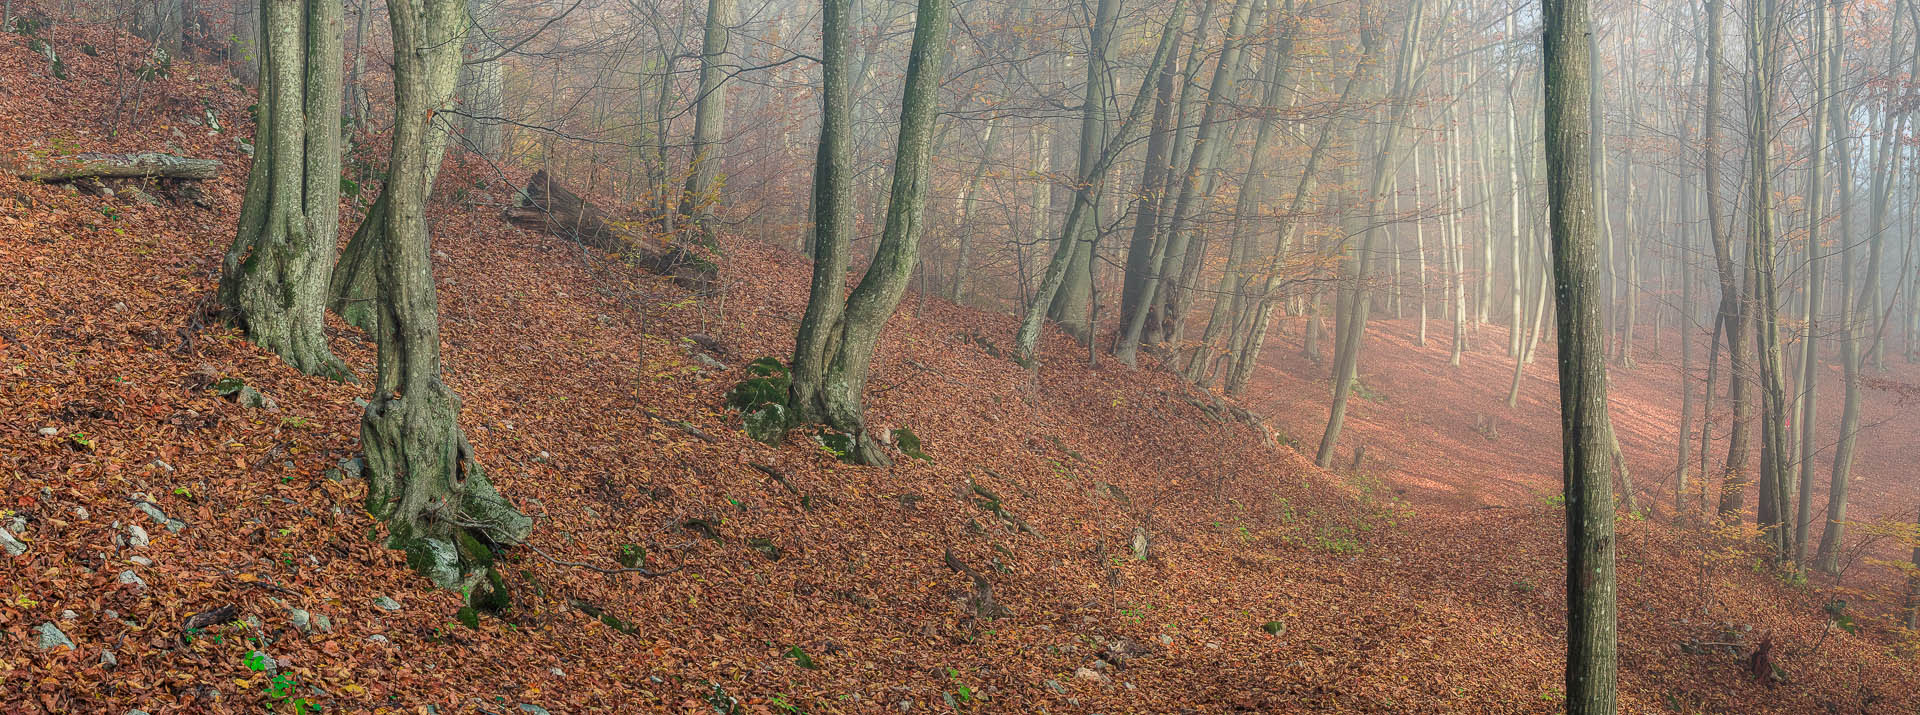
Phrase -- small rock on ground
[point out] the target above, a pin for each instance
(52, 637)
(12, 545)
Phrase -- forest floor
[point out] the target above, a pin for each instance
(796, 584)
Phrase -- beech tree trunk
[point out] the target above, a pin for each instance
(482, 85)
(1586, 434)
(702, 193)
(273, 281)
(1761, 61)
(1352, 314)
(423, 478)
(834, 352)
(1827, 558)
(1080, 213)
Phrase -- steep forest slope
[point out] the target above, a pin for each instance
(1004, 574)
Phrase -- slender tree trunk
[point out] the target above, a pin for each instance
(1762, 62)
(833, 219)
(1586, 433)
(1827, 558)
(1354, 318)
(1733, 315)
(956, 289)
(835, 392)
(1197, 178)
(482, 84)
(702, 192)
(1069, 305)
(1144, 249)
(1816, 269)
(1080, 213)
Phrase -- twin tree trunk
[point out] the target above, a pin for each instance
(1586, 435)
(274, 278)
(834, 347)
(423, 478)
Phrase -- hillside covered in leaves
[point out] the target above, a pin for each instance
(1076, 539)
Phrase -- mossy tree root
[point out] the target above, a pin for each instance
(424, 481)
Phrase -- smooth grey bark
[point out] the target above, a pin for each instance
(1762, 60)
(1733, 316)
(1231, 295)
(482, 84)
(1068, 309)
(1085, 193)
(274, 276)
(1816, 278)
(1197, 177)
(1827, 558)
(957, 288)
(702, 192)
(1145, 247)
(423, 478)
(833, 220)
(1351, 329)
(837, 393)
(1586, 433)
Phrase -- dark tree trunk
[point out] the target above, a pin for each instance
(1586, 434)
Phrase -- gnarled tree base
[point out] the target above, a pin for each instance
(262, 291)
(423, 480)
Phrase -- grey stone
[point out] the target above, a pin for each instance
(250, 397)
(386, 604)
(52, 637)
(1055, 686)
(141, 560)
(133, 579)
(377, 638)
(137, 536)
(69, 615)
(49, 431)
(303, 620)
(12, 545)
(1165, 639)
(108, 659)
(80, 512)
(535, 709)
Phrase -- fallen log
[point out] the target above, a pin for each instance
(549, 207)
(140, 165)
